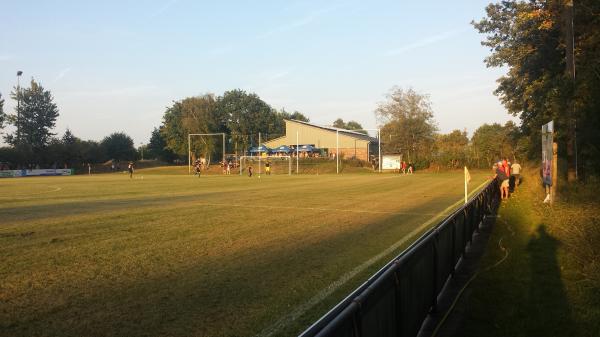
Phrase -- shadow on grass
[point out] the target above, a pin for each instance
(234, 296)
(549, 307)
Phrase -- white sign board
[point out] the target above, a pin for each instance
(36, 172)
(391, 162)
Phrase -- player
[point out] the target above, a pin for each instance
(250, 171)
(228, 167)
(268, 168)
(198, 168)
(130, 169)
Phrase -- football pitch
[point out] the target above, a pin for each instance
(177, 255)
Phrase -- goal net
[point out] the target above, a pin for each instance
(277, 165)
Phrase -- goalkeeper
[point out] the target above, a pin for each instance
(268, 168)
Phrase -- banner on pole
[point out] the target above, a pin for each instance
(547, 141)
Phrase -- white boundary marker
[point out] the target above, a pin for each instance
(330, 289)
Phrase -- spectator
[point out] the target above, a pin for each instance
(502, 175)
(516, 173)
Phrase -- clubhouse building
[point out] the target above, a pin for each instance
(351, 144)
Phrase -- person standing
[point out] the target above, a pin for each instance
(268, 168)
(228, 168)
(250, 171)
(516, 173)
(502, 177)
(130, 169)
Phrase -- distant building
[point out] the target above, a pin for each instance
(352, 144)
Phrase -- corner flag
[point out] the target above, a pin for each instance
(467, 180)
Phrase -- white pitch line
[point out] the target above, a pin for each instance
(313, 209)
(320, 296)
(21, 196)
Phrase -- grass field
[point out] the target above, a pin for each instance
(174, 255)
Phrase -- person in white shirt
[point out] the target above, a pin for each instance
(515, 169)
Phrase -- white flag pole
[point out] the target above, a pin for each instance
(465, 184)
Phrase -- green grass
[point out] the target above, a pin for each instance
(175, 255)
(550, 283)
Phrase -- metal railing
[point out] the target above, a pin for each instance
(397, 299)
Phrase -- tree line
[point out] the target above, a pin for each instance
(551, 49)
(408, 127)
(32, 142)
(406, 120)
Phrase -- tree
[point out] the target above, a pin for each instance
(35, 117)
(118, 146)
(294, 115)
(492, 142)
(157, 147)
(247, 115)
(351, 125)
(339, 123)
(193, 115)
(452, 148)
(531, 39)
(71, 149)
(407, 124)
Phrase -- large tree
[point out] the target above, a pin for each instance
(532, 39)
(247, 115)
(35, 116)
(118, 146)
(157, 147)
(197, 114)
(407, 124)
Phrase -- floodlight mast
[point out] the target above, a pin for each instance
(337, 145)
(190, 146)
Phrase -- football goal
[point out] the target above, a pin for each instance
(276, 164)
(207, 146)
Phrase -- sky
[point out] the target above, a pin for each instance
(116, 65)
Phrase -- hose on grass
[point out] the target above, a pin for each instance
(488, 268)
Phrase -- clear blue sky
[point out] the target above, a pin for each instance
(116, 65)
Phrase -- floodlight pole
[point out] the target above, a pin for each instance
(337, 151)
(379, 150)
(19, 73)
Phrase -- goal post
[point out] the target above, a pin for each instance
(278, 163)
(190, 135)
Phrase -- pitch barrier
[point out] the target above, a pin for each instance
(396, 300)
